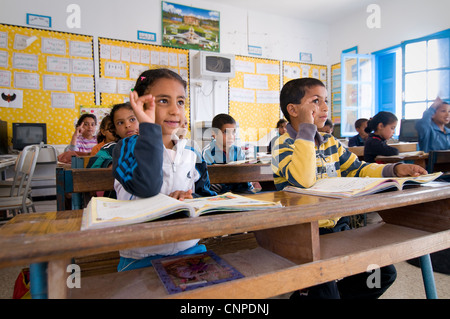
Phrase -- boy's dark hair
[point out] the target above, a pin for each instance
(221, 119)
(294, 91)
(359, 122)
(82, 117)
(115, 108)
(280, 122)
(149, 77)
(381, 117)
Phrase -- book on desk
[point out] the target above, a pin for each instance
(102, 212)
(343, 187)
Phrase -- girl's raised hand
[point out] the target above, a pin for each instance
(143, 107)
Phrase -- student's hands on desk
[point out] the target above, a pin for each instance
(182, 195)
(403, 170)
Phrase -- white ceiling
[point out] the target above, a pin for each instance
(320, 11)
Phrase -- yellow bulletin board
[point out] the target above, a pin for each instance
(295, 70)
(44, 78)
(254, 96)
(121, 62)
(336, 93)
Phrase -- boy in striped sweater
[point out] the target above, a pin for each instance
(302, 155)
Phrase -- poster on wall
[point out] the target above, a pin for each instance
(190, 28)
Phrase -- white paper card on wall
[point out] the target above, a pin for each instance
(117, 70)
(20, 42)
(4, 59)
(63, 100)
(323, 75)
(155, 57)
(83, 66)
(252, 81)
(184, 74)
(27, 80)
(124, 86)
(245, 66)
(5, 78)
(305, 71)
(182, 60)
(11, 98)
(105, 51)
(55, 64)
(136, 70)
(53, 46)
(173, 59)
(25, 61)
(82, 84)
(163, 58)
(135, 55)
(269, 97)
(116, 53)
(80, 48)
(4, 40)
(107, 85)
(242, 95)
(263, 68)
(145, 56)
(55, 82)
(126, 54)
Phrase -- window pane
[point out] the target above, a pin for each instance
(438, 53)
(415, 87)
(366, 70)
(366, 96)
(438, 84)
(415, 56)
(351, 95)
(351, 70)
(414, 110)
(350, 119)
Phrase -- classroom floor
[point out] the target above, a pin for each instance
(409, 284)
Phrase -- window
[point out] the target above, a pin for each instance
(426, 72)
(357, 87)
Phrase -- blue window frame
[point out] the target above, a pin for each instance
(426, 72)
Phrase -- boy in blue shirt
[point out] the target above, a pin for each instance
(222, 150)
(433, 133)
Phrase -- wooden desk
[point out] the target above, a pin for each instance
(402, 148)
(290, 254)
(420, 160)
(79, 180)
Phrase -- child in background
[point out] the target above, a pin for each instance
(155, 161)
(104, 136)
(383, 126)
(83, 139)
(360, 138)
(433, 133)
(281, 127)
(327, 127)
(303, 155)
(123, 123)
(221, 150)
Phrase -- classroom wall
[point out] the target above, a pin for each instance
(400, 20)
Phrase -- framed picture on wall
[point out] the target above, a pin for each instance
(190, 28)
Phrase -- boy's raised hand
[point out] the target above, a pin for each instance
(143, 107)
(306, 111)
(403, 170)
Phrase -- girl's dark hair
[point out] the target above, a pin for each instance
(115, 108)
(104, 125)
(148, 78)
(294, 91)
(82, 117)
(381, 117)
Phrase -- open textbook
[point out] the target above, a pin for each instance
(103, 212)
(342, 187)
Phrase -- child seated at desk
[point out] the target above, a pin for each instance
(221, 150)
(432, 130)
(303, 155)
(360, 138)
(383, 126)
(156, 160)
(104, 136)
(123, 124)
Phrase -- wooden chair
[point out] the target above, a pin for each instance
(439, 161)
(19, 198)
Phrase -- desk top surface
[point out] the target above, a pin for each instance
(53, 235)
